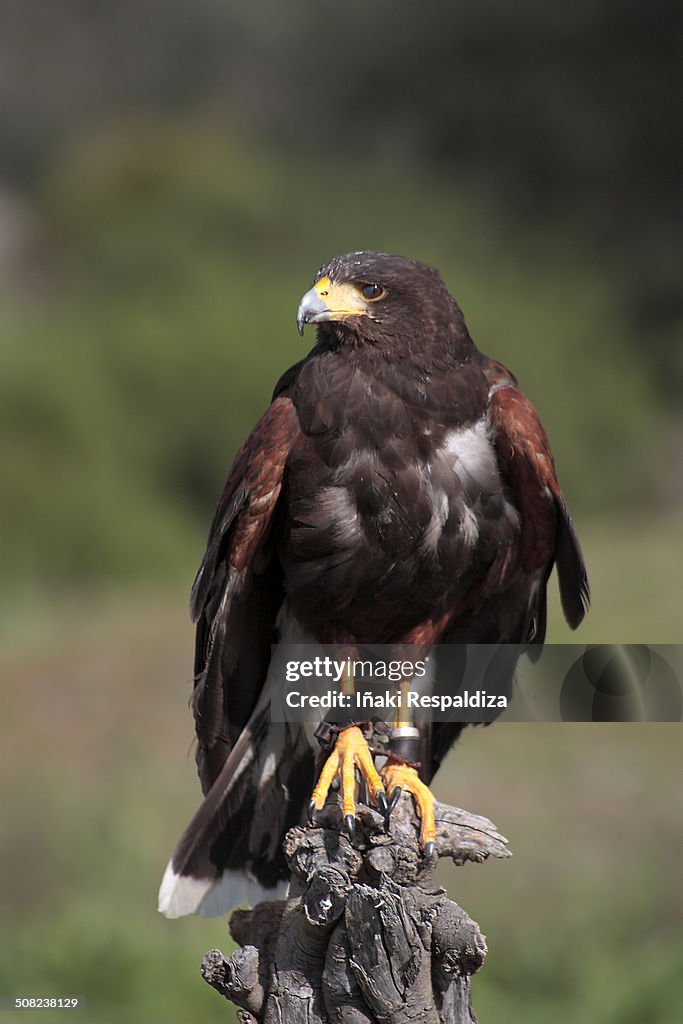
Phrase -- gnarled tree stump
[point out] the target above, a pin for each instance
(363, 936)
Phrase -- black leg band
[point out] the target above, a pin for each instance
(404, 743)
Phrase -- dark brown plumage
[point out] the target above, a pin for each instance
(399, 489)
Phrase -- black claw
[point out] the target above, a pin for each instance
(350, 825)
(429, 850)
(311, 812)
(382, 802)
(394, 798)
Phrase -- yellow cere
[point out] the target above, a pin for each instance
(341, 298)
(323, 286)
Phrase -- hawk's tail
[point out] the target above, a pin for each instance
(231, 852)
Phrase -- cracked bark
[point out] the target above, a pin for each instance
(364, 936)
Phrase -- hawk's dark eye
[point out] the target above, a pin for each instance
(372, 291)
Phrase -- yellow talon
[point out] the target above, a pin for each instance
(402, 776)
(350, 752)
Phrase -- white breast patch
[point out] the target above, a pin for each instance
(472, 454)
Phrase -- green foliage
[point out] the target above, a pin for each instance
(174, 260)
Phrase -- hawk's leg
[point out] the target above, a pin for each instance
(350, 752)
(397, 776)
(400, 773)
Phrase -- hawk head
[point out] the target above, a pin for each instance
(375, 298)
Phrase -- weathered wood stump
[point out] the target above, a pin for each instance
(363, 935)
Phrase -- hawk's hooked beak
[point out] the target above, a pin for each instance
(312, 310)
(329, 301)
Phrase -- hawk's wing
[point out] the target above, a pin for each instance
(231, 850)
(238, 591)
(514, 614)
(547, 534)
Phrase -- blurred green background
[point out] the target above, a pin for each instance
(171, 177)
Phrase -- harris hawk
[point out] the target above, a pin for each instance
(400, 489)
